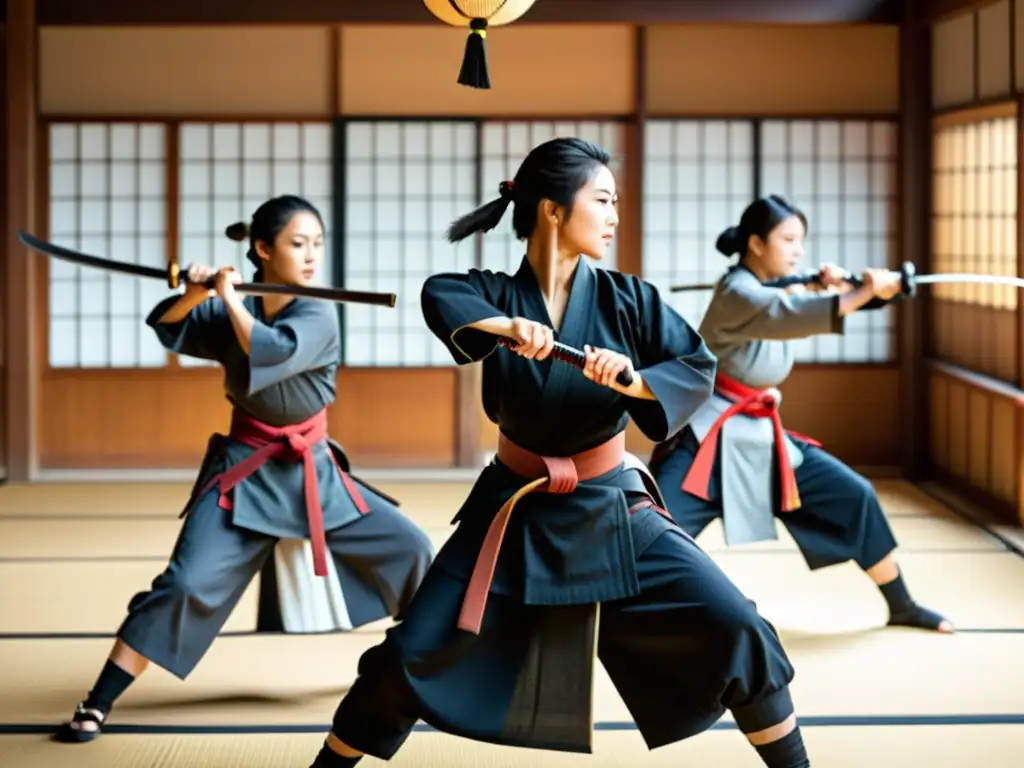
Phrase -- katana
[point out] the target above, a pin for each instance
(175, 276)
(909, 280)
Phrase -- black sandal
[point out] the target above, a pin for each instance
(72, 732)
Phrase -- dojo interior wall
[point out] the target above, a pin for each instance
(975, 333)
(420, 415)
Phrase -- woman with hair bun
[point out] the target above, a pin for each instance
(734, 461)
(276, 475)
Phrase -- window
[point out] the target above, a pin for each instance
(974, 221)
(698, 178)
(504, 146)
(842, 175)
(227, 170)
(106, 198)
(405, 182)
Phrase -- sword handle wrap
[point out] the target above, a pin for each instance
(570, 355)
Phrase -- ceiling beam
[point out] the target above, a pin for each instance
(127, 12)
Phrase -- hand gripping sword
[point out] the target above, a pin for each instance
(909, 280)
(174, 276)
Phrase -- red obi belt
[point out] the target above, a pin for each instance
(291, 443)
(757, 404)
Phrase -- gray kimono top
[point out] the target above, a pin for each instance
(287, 377)
(749, 328)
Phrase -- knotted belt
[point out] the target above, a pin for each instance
(547, 474)
(755, 403)
(290, 443)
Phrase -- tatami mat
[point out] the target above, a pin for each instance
(260, 680)
(977, 589)
(829, 747)
(431, 503)
(71, 556)
(23, 538)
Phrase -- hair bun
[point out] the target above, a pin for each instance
(238, 231)
(728, 243)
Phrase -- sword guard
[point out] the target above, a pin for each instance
(173, 275)
(908, 284)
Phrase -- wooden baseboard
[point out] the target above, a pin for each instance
(1012, 536)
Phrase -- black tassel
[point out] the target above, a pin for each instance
(474, 64)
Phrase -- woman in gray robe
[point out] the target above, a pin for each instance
(275, 476)
(761, 472)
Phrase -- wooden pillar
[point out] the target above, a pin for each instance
(20, 368)
(915, 150)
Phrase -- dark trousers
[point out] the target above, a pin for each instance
(684, 650)
(380, 559)
(839, 519)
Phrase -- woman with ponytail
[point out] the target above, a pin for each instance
(275, 475)
(501, 640)
(734, 461)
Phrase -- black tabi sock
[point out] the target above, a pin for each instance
(112, 682)
(903, 611)
(787, 752)
(328, 758)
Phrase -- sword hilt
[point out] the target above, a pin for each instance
(570, 355)
(907, 273)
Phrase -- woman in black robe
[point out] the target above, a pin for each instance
(500, 641)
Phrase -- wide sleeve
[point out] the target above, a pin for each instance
(675, 363)
(198, 334)
(748, 311)
(306, 339)
(451, 302)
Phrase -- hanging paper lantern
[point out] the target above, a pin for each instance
(478, 15)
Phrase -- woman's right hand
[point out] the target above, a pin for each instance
(883, 283)
(198, 275)
(536, 340)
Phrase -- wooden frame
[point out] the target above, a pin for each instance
(113, 12)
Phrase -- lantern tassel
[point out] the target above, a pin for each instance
(474, 64)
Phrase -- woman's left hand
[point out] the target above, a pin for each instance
(603, 366)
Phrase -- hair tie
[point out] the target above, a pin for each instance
(505, 189)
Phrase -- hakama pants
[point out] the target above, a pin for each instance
(840, 518)
(681, 653)
(380, 559)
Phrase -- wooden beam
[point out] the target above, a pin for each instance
(915, 148)
(940, 9)
(21, 133)
(114, 12)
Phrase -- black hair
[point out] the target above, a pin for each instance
(555, 170)
(268, 222)
(760, 218)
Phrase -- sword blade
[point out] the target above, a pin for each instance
(340, 295)
(968, 278)
(86, 260)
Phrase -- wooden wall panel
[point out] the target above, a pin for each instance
(843, 69)
(953, 56)
(164, 71)
(976, 428)
(579, 69)
(825, 402)
(163, 418)
(995, 54)
(978, 337)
